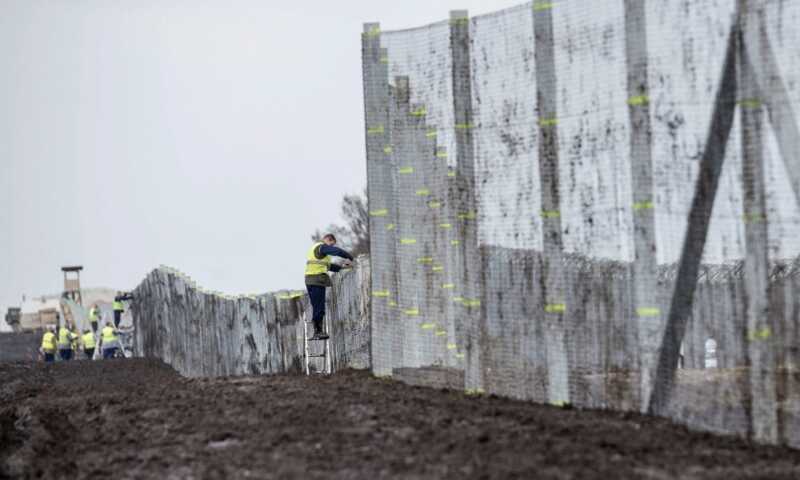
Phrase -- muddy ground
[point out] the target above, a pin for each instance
(139, 419)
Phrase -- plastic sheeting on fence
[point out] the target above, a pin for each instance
(205, 333)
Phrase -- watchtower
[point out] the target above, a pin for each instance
(72, 283)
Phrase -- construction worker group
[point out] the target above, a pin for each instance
(64, 341)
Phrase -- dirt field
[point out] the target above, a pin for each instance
(139, 419)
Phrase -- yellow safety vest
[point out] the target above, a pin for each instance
(64, 339)
(93, 315)
(88, 340)
(109, 335)
(315, 266)
(118, 306)
(49, 342)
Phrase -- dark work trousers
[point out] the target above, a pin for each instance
(117, 317)
(317, 295)
(50, 357)
(89, 353)
(94, 326)
(65, 354)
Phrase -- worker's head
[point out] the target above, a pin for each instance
(329, 239)
(108, 324)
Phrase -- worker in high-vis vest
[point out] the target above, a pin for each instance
(318, 264)
(65, 338)
(89, 343)
(94, 314)
(49, 345)
(109, 341)
(118, 309)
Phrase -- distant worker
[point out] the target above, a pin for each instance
(318, 263)
(109, 341)
(48, 347)
(89, 343)
(94, 313)
(65, 338)
(76, 339)
(118, 310)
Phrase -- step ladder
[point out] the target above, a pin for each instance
(316, 349)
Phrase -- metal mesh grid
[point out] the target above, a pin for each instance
(593, 204)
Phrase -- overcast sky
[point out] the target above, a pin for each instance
(212, 136)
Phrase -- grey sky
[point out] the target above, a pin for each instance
(212, 136)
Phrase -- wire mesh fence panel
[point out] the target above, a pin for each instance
(596, 204)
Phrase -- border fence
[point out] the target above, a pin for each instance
(593, 203)
(204, 333)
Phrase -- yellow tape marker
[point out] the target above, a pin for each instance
(384, 59)
(448, 286)
(555, 308)
(375, 130)
(445, 225)
(423, 192)
(551, 214)
(438, 268)
(441, 333)
(749, 103)
(458, 299)
(452, 346)
(420, 112)
(466, 216)
(379, 213)
(760, 334)
(542, 6)
(459, 21)
(548, 122)
(435, 204)
(441, 154)
(388, 149)
(406, 170)
(431, 134)
(408, 241)
(459, 355)
(647, 205)
(425, 260)
(428, 326)
(296, 294)
(648, 311)
(411, 312)
(469, 303)
(390, 227)
(638, 100)
(455, 242)
(754, 217)
(381, 294)
(451, 174)
(392, 303)
(284, 296)
(464, 126)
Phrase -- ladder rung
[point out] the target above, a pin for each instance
(316, 356)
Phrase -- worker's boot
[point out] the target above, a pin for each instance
(319, 333)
